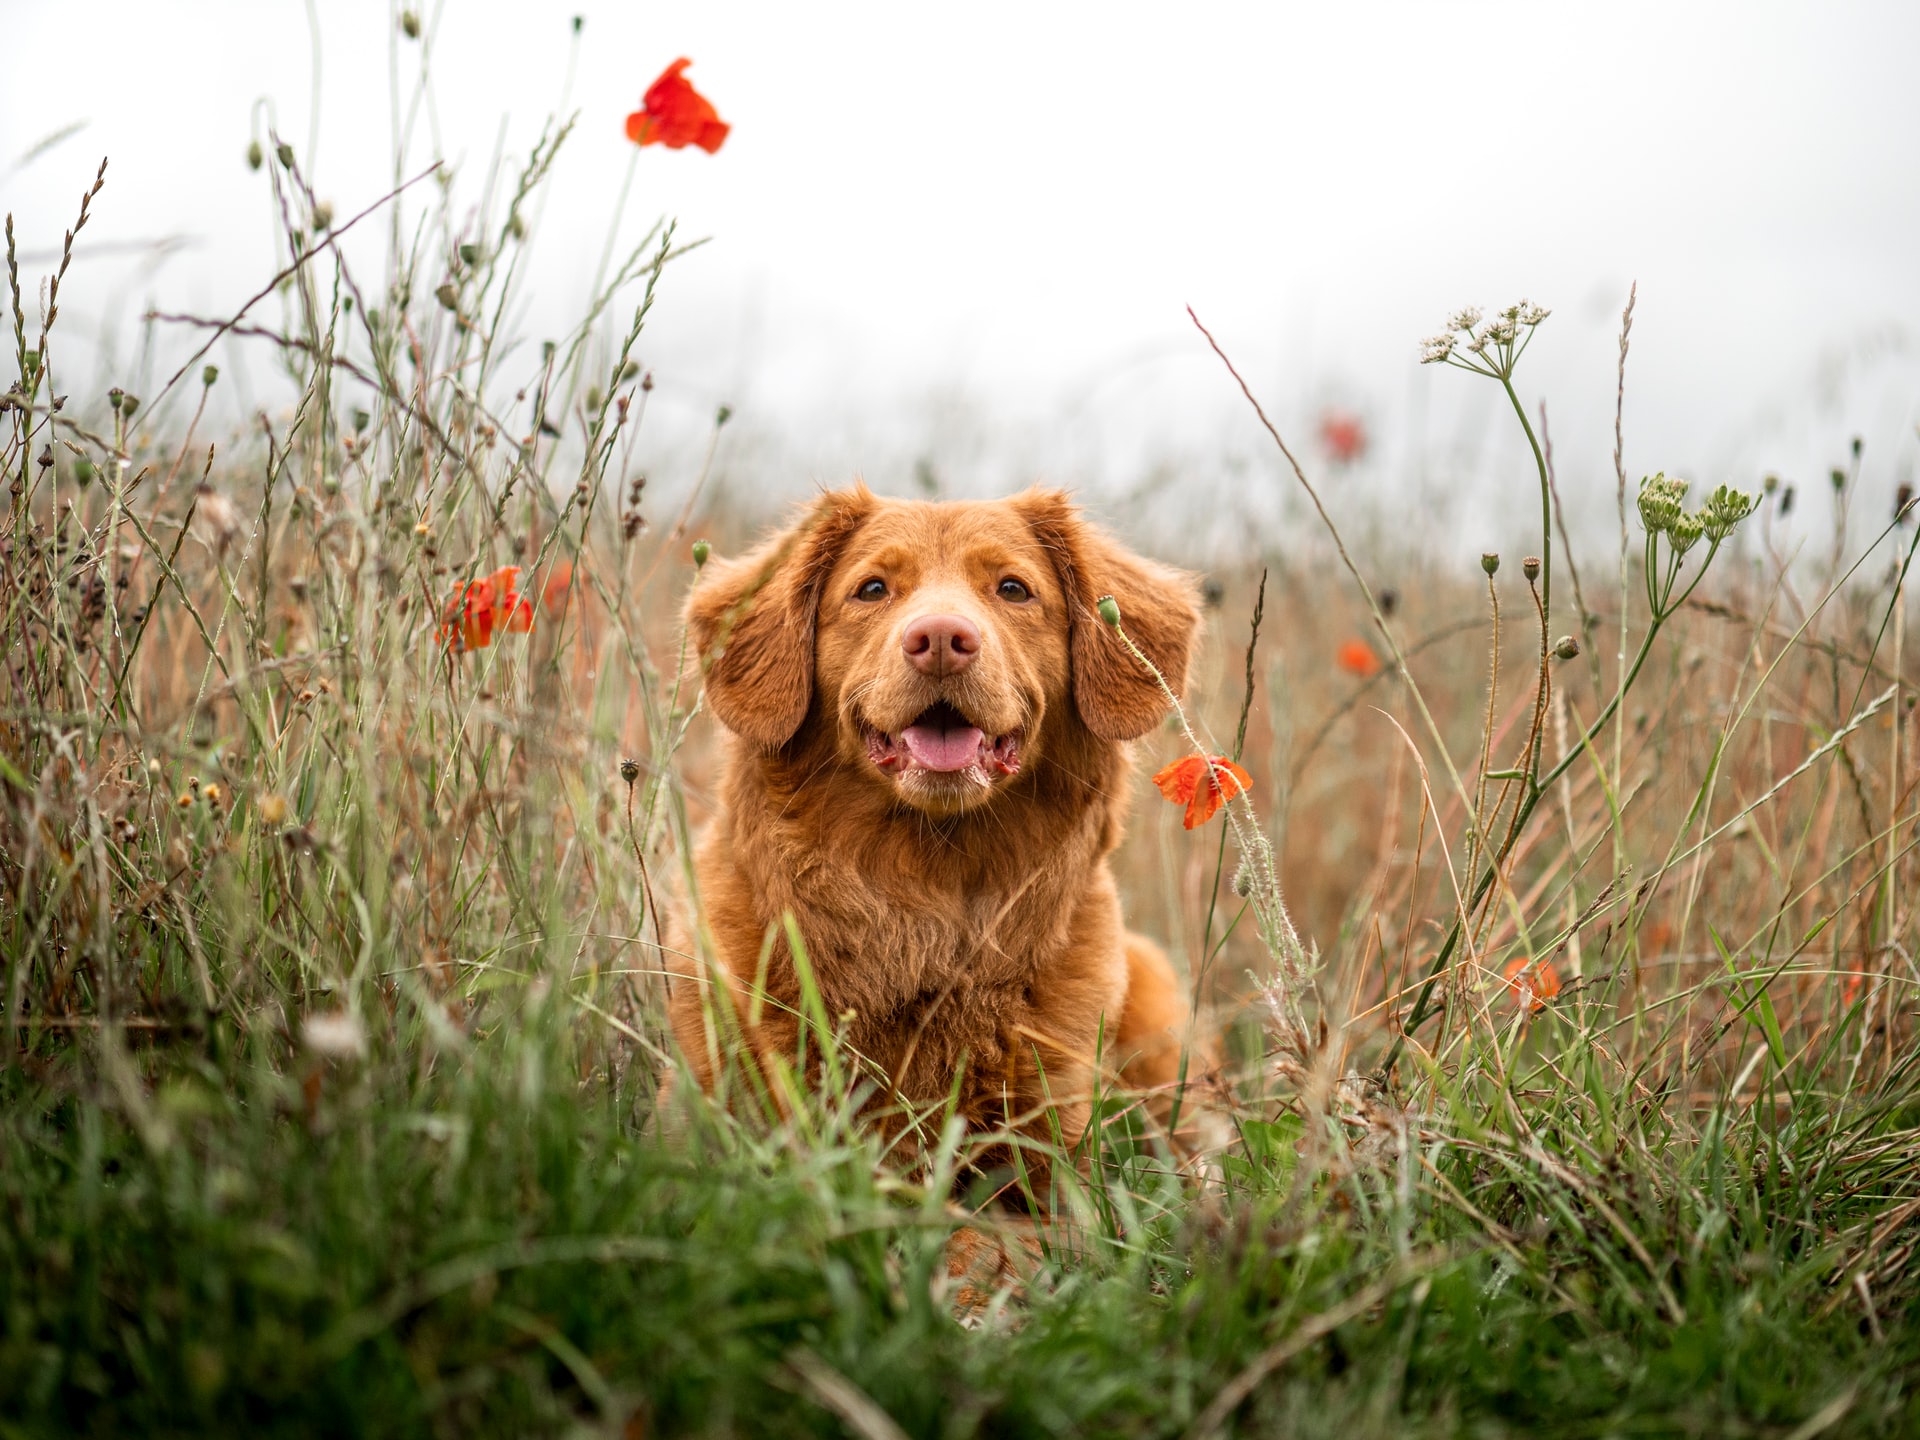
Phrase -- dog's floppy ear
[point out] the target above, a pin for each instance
(1116, 697)
(752, 620)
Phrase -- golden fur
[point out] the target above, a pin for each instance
(967, 922)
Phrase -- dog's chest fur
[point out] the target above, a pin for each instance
(969, 937)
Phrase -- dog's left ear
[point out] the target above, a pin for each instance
(1116, 697)
(752, 620)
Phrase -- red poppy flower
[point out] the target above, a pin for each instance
(480, 607)
(1343, 435)
(1531, 983)
(1356, 657)
(1202, 785)
(674, 114)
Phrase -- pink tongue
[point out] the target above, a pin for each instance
(942, 749)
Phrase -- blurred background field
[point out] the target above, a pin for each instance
(333, 1038)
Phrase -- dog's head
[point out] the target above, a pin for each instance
(940, 648)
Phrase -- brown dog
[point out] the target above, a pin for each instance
(927, 769)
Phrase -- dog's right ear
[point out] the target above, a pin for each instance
(752, 620)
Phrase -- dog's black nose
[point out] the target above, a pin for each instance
(941, 645)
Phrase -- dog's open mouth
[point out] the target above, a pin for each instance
(944, 741)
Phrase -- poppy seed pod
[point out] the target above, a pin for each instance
(1530, 567)
(1839, 478)
(284, 154)
(701, 550)
(1109, 609)
(113, 398)
(725, 414)
(1566, 647)
(629, 770)
(409, 24)
(469, 254)
(322, 216)
(129, 404)
(255, 155)
(1490, 563)
(210, 374)
(448, 296)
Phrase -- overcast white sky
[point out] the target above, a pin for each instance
(969, 233)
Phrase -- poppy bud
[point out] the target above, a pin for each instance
(701, 550)
(1109, 609)
(516, 227)
(629, 770)
(578, 22)
(1856, 447)
(322, 216)
(255, 156)
(409, 24)
(726, 414)
(1566, 647)
(595, 400)
(1770, 484)
(210, 374)
(1530, 567)
(1786, 501)
(83, 472)
(360, 421)
(546, 351)
(1490, 563)
(284, 154)
(629, 370)
(128, 404)
(1243, 882)
(469, 254)
(1839, 478)
(448, 296)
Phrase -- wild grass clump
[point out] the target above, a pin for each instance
(1568, 1080)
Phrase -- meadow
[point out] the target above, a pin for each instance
(1560, 956)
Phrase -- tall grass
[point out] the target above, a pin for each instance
(333, 1044)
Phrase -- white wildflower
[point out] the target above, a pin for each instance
(337, 1034)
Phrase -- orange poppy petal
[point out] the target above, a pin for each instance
(1177, 779)
(1356, 657)
(674, 114)
(520, 617)
(1201, 808)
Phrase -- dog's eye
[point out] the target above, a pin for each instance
(873, 589)
(1013, 590)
